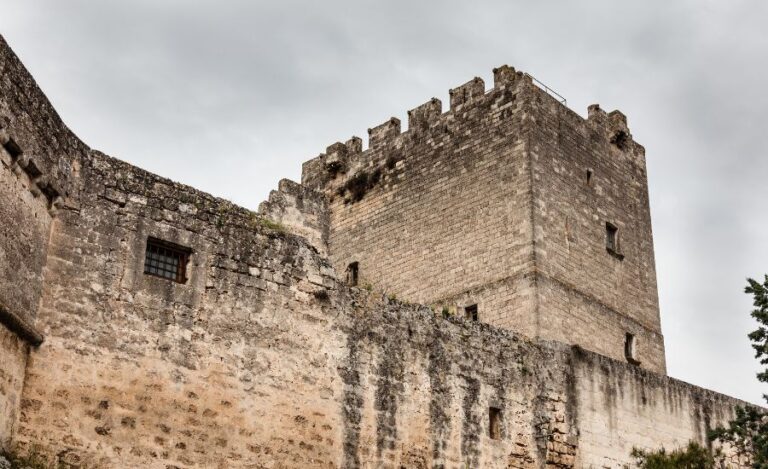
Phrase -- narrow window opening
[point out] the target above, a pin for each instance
(589, 177)
(166, 260)
(353, 271)
(611, 233)
(13, 149)
(470, 312)
(630, 351)
(612, 240)
(494, 423)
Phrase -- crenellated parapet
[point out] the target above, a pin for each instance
(466, 93)
(612, 126)
(384, 134)
(341, 161)
(421, 117)
(338, 170)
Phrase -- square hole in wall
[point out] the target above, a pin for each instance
(166, 260)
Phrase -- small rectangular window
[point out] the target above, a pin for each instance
(611, 237)
(612, 244)
(353, 271)
(494, 423)
(629, 349)
(470, 312)
(167, 260)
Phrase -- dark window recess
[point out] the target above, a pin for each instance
(612, 240)
(620, 139)
(589, 177)
(470, 312)
(353, 272)
(167, 260)
(494, 423)
(630, 351)
(13, 149)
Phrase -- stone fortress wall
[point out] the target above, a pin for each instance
(264, 356)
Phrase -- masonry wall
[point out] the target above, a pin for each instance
(23, 243)
(502, 202)
(621, 406)
(259, 359)
(301, 210)
(13, 357)
(36, 154)
(36, 151)
(587, 295)
(263, 357)
(440, 214)
(138, 371)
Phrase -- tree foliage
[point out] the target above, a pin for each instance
(694, 456)
(747, 434)
(759, 337)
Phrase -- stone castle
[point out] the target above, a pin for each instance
(477, 291)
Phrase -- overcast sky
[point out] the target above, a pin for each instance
(232, 96)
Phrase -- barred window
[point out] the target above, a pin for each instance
(167, 260)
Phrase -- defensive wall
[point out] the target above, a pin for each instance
(262, 355)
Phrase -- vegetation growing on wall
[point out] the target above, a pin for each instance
(694, 456)
(359, 184)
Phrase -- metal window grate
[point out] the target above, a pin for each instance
(166, 260)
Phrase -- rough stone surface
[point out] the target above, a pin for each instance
(301, 210)
(264, 358)
(490, 204)
(13, 359)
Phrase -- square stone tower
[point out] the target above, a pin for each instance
(509, 209)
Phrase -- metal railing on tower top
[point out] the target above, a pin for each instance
(549, 90)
